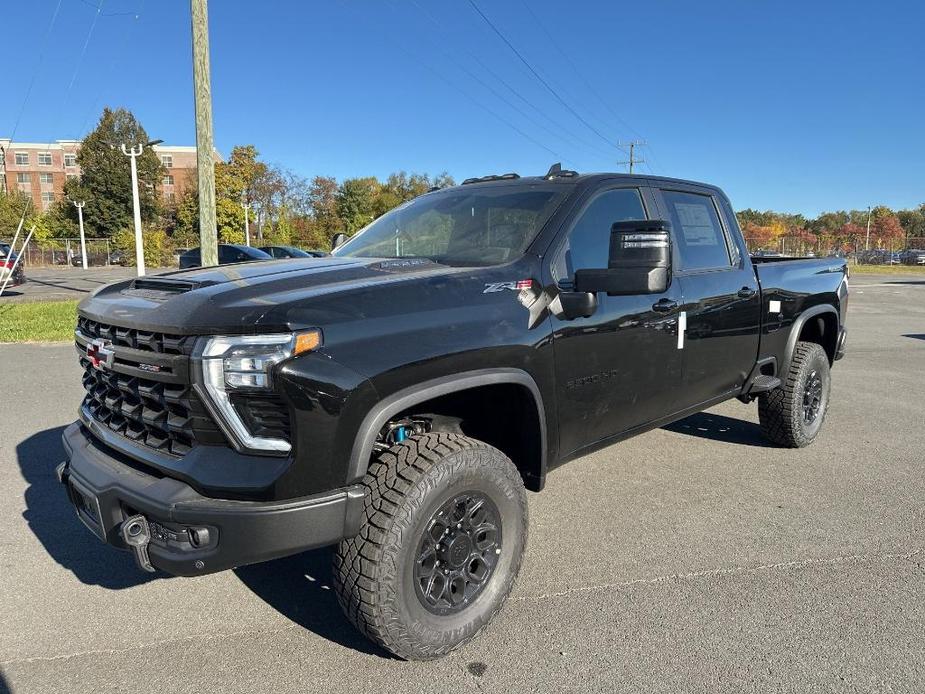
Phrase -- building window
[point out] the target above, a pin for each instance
(44, 158)
(48, 197)
(170, 196)
(168, 180)
(24, 182)
(22, 159)
(167, 161)
(46, 179)
(70, 176)
(70, 160)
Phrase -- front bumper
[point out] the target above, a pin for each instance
(193, 534)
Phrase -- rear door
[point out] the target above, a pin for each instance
(614, 368)
(721, 301)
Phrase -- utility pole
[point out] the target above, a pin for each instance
(247, 226)
(202, 88)
(632, 144)
(867, 244)
(83, 241)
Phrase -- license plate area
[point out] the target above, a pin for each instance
(88, 508)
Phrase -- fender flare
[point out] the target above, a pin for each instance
(401, 400)
(797, 328)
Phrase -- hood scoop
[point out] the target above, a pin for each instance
(160, 289)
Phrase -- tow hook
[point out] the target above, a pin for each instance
(137, 535)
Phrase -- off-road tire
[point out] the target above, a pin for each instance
(374, 571)
(781, 411)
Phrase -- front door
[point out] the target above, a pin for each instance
(613, 369)
(721, 300)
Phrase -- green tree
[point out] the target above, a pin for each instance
(12, 206)
(105, 183)
(356, 202)
(913, 221)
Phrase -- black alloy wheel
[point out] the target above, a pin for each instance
(457, 553)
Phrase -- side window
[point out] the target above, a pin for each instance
(225, 254)
(588, 243)
(697, 230)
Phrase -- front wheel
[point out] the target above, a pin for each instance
(441, 544)
(791, 415)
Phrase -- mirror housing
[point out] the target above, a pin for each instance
(339, 239)
(572, 305)
(639, 263)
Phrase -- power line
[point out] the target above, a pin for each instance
(116, 57)
(567, 133)
(38, 65)
(575, 69)
(447, 81)
(539, 77)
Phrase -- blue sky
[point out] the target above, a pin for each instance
(797, 106)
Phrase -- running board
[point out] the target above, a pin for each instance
(762, 384)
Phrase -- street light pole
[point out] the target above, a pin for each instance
(247, 225)
(83, 241)
(133, 154)
(867, 244)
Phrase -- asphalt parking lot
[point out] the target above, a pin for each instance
(63, 282)
(692, 558)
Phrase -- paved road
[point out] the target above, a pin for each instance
(692, 558)
(63, 282)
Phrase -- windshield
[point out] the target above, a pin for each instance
(480, 226)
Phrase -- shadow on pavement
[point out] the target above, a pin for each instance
(915, 336)
(906, 282)
(300, 588)
(717, 427)
(4, 687)
(51, 517)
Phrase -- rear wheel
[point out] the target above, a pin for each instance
(792, 414)
(440, 547)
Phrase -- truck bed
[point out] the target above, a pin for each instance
(821, 282)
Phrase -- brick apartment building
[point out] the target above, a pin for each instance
(40, 170)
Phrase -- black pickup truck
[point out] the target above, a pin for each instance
(398, 397)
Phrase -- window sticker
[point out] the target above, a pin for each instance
(696, 224)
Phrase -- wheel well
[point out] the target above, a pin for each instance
(823, 330)
(503, 415)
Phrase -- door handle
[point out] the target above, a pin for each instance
(665, 305)
(746, 293)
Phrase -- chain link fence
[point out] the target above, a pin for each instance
(51, 252)
(907, 251)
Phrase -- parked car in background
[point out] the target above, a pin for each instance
(913, 256)
(94, 259)
(227, 253)
(7, 261)
(286, 252)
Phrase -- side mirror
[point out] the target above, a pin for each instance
(639, 263)
(572, 305)
(338, 239)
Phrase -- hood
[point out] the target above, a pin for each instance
(260, 296)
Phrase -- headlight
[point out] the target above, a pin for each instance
(244, 363)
